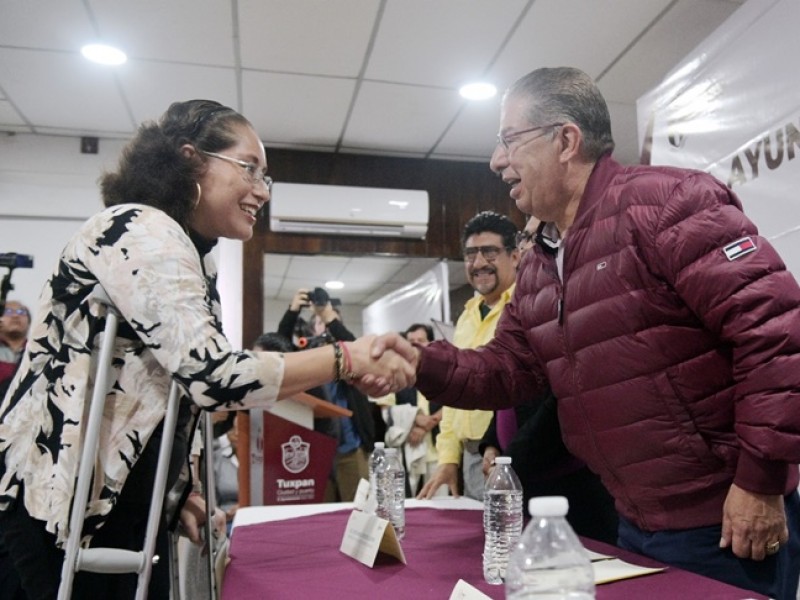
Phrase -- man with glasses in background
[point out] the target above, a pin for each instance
(490, 260)
(14, 324)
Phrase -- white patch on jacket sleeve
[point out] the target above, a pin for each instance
(739, 248)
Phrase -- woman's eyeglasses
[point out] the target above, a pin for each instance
(10, 312)
(252, 173)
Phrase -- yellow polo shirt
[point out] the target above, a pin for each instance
(459, 425)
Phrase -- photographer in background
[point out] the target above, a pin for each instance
(356, 435)
(324, 320)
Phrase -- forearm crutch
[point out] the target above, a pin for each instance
(114, 560)
(209, 490)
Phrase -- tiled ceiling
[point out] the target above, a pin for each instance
(357, 76)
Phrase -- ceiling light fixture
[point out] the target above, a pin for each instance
(103, 54)
(334, 285)
(477, 91)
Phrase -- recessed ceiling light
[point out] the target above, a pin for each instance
(477, 91)
(334, 285)
(103, 54)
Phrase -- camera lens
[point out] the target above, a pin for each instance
(319, 297)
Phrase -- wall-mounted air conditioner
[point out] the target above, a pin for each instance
(347, 210)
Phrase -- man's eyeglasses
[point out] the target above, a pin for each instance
(8, 312)
(524, 238)
(489, 253)
(508, 138)
(252, 174)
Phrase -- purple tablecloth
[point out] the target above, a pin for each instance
(300, 558)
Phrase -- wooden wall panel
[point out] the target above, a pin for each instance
(457, 191)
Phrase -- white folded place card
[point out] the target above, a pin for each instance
(465, 591)
(366, 535)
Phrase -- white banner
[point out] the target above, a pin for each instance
(425, 298)
(732, 108)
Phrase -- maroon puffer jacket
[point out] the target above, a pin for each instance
(677, 370)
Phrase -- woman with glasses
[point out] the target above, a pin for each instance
(196, 175)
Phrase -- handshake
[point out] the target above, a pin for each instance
(383, 364)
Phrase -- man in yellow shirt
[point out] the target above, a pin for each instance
(490, 260)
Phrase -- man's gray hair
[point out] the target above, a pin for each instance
(562, 94)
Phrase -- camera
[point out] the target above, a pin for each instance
(12, 260)
(319, 297)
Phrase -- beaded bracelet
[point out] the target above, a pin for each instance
(347, 368)
(338, 361)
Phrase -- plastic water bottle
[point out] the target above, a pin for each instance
(397, 507)
(380, 481)
(549, 562)
(502, 518)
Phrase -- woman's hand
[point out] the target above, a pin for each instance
(379, 375)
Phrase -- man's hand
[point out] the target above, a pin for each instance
(488, 459)
(447, 474)
(397, 343)
(193, 518)
(751, 522)
(299, 300)
(416, 436)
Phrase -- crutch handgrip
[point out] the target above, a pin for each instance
(110, 560)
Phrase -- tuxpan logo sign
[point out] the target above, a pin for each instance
(295, 454)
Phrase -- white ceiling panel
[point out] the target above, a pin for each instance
(663, 46)
(413, 117)
(10, 117)
(575, 33)
(420, 42)
(296, 108)
(189, 31)
(313, 37)
(64, 25)
(33, 79)
(474, 132)
(151, 87)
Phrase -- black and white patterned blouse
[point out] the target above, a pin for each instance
(165, 292)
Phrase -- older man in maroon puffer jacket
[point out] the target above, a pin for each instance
(668, 330)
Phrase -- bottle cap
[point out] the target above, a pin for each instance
(380, 445)
(502, 460)
(548, 506)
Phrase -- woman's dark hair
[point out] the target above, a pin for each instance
(153, 170)
(417, 326)
(273, 342)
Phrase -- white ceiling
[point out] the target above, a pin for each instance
(356, 76)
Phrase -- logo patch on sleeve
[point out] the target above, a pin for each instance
(739, 248)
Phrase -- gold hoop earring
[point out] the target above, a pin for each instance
(199, 194)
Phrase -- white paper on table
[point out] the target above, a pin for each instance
(606, 571)
(593, 556)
